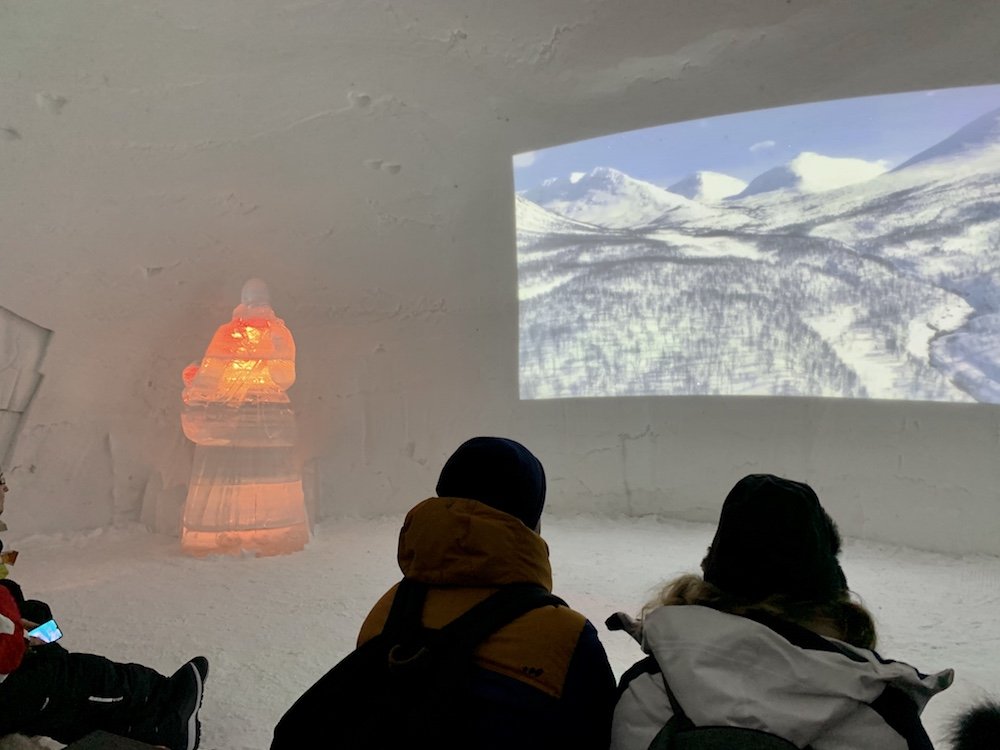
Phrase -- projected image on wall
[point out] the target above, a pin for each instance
(842, 249)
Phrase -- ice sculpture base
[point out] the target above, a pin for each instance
(259, 542)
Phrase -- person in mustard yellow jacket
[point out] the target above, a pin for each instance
(542, 681)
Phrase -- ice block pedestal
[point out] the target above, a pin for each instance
(245, 493)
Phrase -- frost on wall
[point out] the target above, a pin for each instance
(22, 347)
(245, 492)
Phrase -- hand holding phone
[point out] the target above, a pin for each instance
(47, 632)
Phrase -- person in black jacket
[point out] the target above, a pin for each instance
(48, 691)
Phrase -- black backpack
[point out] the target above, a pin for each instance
(680, 733)
(409, 685)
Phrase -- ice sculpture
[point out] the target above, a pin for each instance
(245, 493)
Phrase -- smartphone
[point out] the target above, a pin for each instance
(47, 632)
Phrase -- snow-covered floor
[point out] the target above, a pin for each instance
(272, 626)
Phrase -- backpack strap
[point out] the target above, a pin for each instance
(498, 609)
(679, 722)
(407, 608)
(683, 720)
(467, 630)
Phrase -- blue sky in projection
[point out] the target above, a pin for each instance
(891, 127)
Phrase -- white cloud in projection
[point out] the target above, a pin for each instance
(813, 173)
(850, 261)
(525, 159)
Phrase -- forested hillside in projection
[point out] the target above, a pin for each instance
(887, 288)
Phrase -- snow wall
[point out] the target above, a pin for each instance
(356, 156)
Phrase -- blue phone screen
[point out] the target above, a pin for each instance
(47, 632)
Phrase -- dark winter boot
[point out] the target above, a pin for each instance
(179, 727)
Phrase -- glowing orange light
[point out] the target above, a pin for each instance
(245, 493)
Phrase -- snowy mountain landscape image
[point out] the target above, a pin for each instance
(857, 260)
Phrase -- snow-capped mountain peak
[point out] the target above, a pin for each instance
(708, 187)
(981, 134)
(533, 218)
(814, 173)
(607, 197)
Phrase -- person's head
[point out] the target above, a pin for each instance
(498, 472)
(775, 552)
(774, 538)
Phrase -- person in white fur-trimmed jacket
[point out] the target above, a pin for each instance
(769, 639)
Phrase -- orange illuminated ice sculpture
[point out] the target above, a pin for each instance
(245, 493)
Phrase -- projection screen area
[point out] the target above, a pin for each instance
(844, 249)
